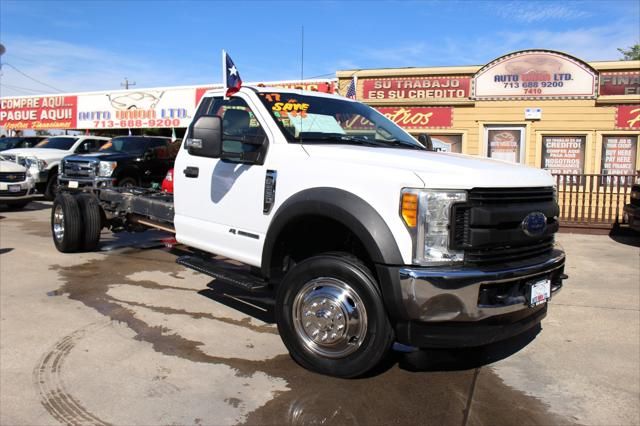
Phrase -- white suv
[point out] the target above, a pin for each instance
(48, 155)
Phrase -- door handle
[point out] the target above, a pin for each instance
(191, 172)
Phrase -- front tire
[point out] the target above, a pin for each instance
(51, 188)
(127, 182)
(66, 223)
(331, 316)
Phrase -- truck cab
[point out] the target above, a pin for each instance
(363, 235)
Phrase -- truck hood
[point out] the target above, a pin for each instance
(436, 169)
(46, 154)
(105, 156)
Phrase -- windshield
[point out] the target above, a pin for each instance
(8, 143)
(128, 144)
(315, 119)
(62, 143)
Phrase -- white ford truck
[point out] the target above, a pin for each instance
(49, 153)
(363, 235)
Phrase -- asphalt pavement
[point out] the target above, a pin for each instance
(125, 336)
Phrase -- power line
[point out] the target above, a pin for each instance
(18, 88)
(31, 78)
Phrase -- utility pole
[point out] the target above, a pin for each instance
(126, 83)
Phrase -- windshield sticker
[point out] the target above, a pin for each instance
(106, 146)
(291, 107)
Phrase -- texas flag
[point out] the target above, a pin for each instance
(231, 78)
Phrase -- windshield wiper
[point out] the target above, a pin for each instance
(345, 139)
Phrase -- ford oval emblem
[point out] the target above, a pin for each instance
(534, 224)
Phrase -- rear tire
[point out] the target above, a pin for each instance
(66, 223)
(92, 221)
(331, 316)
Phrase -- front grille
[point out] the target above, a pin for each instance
(79, 169)
(13, 194)
(13, 176)
(489, 226)
(508, 253)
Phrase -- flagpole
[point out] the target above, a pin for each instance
(224, 72)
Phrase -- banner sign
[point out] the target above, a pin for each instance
(563, 154)
(409, 118)
(618, 158)
(535, 74)
(121, 109)
(628, 116)
(313, 86)
(38, 112)
(620, 83)
(427, 88)
(132, 109)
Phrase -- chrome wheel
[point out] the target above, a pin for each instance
(329, 318)
(58, 223)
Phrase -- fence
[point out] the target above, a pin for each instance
(593, 200)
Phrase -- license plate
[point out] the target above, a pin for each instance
(14, 188)
(73, 184)
(540, 292)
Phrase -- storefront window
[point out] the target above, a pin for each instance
(618, 159)
(447, 143)
(505, 143)
(564, 155)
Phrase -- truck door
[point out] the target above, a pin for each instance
(219, 203)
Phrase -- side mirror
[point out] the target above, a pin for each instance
(425, 140)
(205, 139)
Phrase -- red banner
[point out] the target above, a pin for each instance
(428, 88)
(620, 83)
(419, 117)
(321, 86)
(628, 117)
(410, 118)
(50, 112)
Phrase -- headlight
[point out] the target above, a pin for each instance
(106, 168)
(34, 165)
(426, 214)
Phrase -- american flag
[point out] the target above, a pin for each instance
(351, 90)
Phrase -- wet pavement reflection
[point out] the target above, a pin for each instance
(422, 387)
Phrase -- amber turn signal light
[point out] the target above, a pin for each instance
(410, 209)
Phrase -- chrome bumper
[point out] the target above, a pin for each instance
(94, 182)
(454, 294)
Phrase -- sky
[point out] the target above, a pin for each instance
(74, 46)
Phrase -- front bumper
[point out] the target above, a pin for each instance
(463, 306)
(633, 216)
(27, 190)
(92, 182)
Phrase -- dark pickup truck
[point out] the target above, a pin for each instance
(632, 210)
(126, 161)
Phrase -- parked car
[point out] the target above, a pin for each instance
(167, 183)
(49, 153)
(20, 142)
(632, 210)
(17, 186)
(126, 161)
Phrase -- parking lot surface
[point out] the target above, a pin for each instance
(125, 336)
